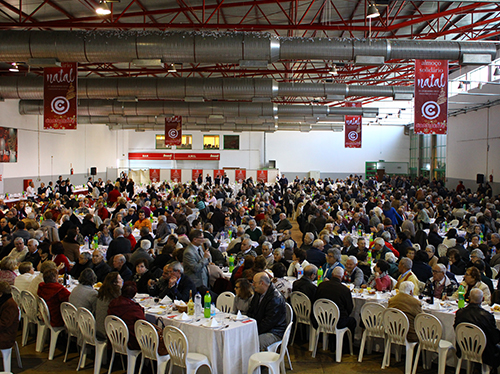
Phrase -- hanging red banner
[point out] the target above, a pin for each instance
(173, 130)
(353, 127)
(196, 173)
(154, 175)
(219, 173)
(176, 175)
(240, 175)
(262, 176)
(60, 96)
(431, 97)
(173, 156)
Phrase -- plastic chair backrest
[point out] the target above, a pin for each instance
(284, 341)
(225, 302)
(396, 326)
(177, 345)
(301, 306)
(117, 332)
(43, 309)
(148, 339)
(16, 295)
(327, 314)
(429, 331)
(69, 314)
(86, 324)
(471, 340)
(372, 317)
(442, 250)
(29, 305)
(289, 313)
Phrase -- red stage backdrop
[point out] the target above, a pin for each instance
(154, 175)
(60, 96)
(431, 96)
(195, 173)
(353, 127)
(220, 173)
(262, 176)
(173, 130)
(175, 175)
(240, 175)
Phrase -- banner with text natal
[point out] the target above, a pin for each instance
(173, 130)
(154, 175)
(353, 127)
(60, 96)
(431, 97)
(176, 175)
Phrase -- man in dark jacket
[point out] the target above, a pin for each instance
(173, 283)
(305, 284)
(100, 267)
(335, 291)
(119, 245)
(269, 310)
(473, 313)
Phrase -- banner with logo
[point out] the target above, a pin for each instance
(196, 173)
(431, 97)
(60, 96)
(262, 176)
(353, 127)
(176, 175)
(8, 145)
(219, 173)
(173, 130)
(154, 175)
(240, 175)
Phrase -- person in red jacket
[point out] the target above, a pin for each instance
(128, 310)
(113, 195)
(54, 295)
(9, 317)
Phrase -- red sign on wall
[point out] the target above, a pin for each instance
(150, 156)
(353, 127)
(262, 176)
(154, 175)
(197, 156)
(431, 96)
(240, 175)
(219, 173)
(173, 130)
(196, 173)
(176, 175)
(60, 96)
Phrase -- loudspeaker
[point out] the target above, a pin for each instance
(272, 164)
(93, 171)
(480, 178)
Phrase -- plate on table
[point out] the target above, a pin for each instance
(242, 318)
(157, 311)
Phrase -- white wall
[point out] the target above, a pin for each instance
(473, 146)
(324, 150)
(46, 154)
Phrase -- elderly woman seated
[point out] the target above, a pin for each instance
(84, 294)
(9, 317)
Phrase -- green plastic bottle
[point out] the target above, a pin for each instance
(207, 305)
(461, 297)
(369, 257)
(320, 275)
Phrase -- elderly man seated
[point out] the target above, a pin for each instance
(404, 267)
(173, 283)
(405, 302)
(439, 286)
(352, 273)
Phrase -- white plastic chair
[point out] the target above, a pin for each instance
(16, 295)
(148, 339)
(118, 335)
(70, 318)
(472, 341)
(430, 331)
(327, 314)
(396, 329)
(372, 317)
(178, 349)
(7, 354)
(29, 308)
(86, 324)
(302, 307)
(494, 273)
(225, 302)
(274, 347)
(273, 361)
(54, 331)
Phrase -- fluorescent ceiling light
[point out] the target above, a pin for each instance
(103, 9)
(14, 68)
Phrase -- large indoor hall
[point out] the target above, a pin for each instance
(245, 186)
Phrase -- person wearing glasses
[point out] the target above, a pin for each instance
(439, 286)
(472, 280)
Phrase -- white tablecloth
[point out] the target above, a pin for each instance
(228, 349)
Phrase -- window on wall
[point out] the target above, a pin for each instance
(211, 142)
(231, 142)
(160, 142)
(187, 142)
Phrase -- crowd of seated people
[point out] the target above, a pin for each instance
(415, 231)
